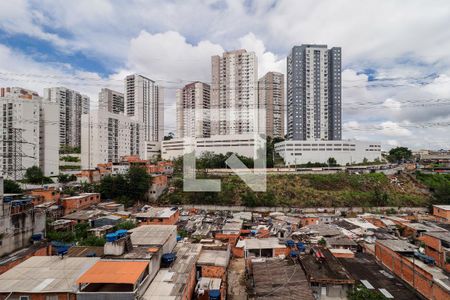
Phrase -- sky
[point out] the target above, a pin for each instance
(396, 53)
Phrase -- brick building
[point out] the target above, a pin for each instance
(158, 216)
(442, 213)
(44, 277)
(437, 245)
(398, 256)
(79, 202)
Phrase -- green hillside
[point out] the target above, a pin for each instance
(311, 191)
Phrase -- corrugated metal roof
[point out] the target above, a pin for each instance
(147, 235)
(45, 274)
(114, 272)
(267, 243)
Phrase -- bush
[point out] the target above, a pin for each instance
(69, 158)
(93, 241)
(36, 176)
(11, 187)
(127, 225)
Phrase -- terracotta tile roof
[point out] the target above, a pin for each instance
(127, 272)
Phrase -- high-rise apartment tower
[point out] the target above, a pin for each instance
(314, 91)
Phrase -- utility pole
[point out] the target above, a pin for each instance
(14, 153)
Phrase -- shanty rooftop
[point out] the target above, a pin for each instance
(327, 269)
(340, 241)
(157, 212)
(152, 234)
(266, 243)
(364, 268)
(45, 274)
(80, 196)
(233, 225)
(169, 283)
(444, 207)
(361, 223)
(118, 272)
(85, 251)
(444, 236)
(398, 245)
(320, 229)
(83, 215)
(279, 279)
(425, 228)
(214, 258)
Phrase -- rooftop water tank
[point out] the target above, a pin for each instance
(290, 243)
(111, 237)
(214, 295)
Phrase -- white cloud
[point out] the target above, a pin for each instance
(392, 104)
(393, 129)
(267, 61)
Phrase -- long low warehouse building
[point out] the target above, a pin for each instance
(242, 144)
(343, 151)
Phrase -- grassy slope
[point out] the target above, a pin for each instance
(310, 191)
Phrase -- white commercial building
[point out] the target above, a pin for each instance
(244, 144)
(152, 150)
(72, 105)
(343, 151)
(28, 133)
(106, 137)
(234, 93)
(144, 102)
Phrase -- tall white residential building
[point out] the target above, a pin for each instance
(234, 93)
(314, 93)
(271, 104)
(49, 138)
(111, 101)
(106, 137)
(71, 106)
(144, 102)
(193, 110)
(28, 134)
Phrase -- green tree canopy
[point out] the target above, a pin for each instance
(128, 188)
(11, 187)
(398, 154)
(332, 162)
(36, 176)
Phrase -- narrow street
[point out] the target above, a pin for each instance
(236, 280)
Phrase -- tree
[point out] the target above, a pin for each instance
(169, 136)
(127, 225)
(11, 187)
(64, 178)
(93, 241)
(125, 200)
(138, 182)
(332, 162)
(35, 175)
(363, 293)
(399, 154)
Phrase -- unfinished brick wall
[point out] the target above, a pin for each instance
(416, 277)
(213, 271)
(43, 296)
(281, 251)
